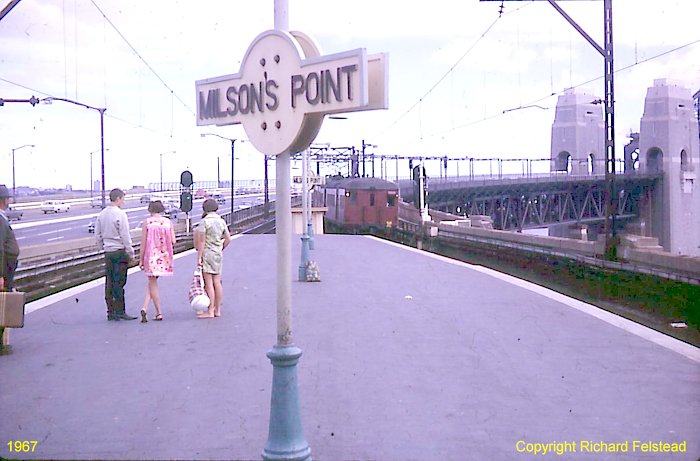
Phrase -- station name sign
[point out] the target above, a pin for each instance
(285, 87)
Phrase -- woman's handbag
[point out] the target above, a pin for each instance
(197, 296)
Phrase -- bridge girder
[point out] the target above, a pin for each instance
(538, 204)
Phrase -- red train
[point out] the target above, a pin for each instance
(356, 204)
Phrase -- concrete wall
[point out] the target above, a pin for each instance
(551, 243)
(651, 259)
(299, 225)
(66, 248)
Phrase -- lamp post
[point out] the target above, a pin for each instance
(161, 167)
(233, 156)
(364, 145)
(14, 193)
(266, 189)
(102, 110)
(92, 188)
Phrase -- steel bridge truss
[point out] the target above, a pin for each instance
(524, 206)
(546, 208)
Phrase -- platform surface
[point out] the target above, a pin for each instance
(407, 356)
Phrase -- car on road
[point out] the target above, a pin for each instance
(218, 197)
(91, 227)
(171, 210)
(161, 197)
(145, 198)
(201, 193)
(97, 202)
(55, 206)
(13, 215)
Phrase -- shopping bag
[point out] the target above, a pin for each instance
(312, 274)
(199, 301)
(11, 309)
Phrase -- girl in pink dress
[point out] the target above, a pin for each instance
(157, 239)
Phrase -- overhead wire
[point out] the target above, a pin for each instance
(454, 66)
(142, 58)
(107, 114)
(420, 100)
(535, 101)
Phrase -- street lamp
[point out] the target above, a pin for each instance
(233, 154)
(92, 188)
(266, 189)
(364, 145)
(14, 194)
(161, 167)
(51, 99)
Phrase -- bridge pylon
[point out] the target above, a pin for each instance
(669, 144)
(578, 134)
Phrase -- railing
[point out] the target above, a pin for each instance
(257, 185)
(46, 269)
(436, 184)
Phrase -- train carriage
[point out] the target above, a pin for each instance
(356, 204)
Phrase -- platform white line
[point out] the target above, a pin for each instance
(627, 325)
(65, 229)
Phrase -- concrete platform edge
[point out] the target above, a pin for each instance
(675, 345)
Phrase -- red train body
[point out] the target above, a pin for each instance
(357, 203)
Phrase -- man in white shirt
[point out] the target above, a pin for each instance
(113, 235)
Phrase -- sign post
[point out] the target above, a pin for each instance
(280, 95)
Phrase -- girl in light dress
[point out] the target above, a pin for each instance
(211, 237)
(157, 240)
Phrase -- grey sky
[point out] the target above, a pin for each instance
(529, 55)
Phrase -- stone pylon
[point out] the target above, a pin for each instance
(669, 144)
(578, 134)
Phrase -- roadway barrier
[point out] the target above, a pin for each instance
(49, 268)
(70, 264)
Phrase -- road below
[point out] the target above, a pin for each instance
(37, 228)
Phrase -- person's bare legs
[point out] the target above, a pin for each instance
(218, 294)
(146, 301)
(155, 296)
(209, 288)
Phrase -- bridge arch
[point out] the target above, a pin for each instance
(655, 160)
(686, 162)
(634, 156)
(562, 162)
(591, 164)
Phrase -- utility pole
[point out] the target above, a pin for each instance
(607, 52)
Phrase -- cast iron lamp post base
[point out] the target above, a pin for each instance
(310, 233)
(304, 257)
(285, 441)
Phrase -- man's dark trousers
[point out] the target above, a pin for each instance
(116, 265)
(10, 268)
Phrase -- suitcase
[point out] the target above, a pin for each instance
(11, 309)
